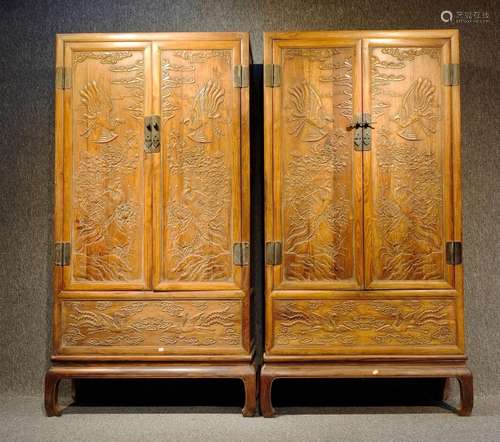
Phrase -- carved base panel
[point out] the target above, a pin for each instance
(364, 324)
(245, 372)
(367, 369)
(153, 327)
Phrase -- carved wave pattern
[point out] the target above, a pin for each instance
(316, 205)
(178, 323)
(135, 84)
(409, 217)
(196, 120)
(106, 167)
(314, 202)
(104, 57)
(204, 56)
(408, 206)
(335, 67)
(198, 212)
(383, 73)
(409, 54)
(364, 323)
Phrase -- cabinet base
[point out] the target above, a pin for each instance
(245, 372)
(458, 370)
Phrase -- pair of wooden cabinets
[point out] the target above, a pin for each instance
(362, 208)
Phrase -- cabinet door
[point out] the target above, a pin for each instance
(106, 176)
(197, 200)
(316, 172)
(408, 171)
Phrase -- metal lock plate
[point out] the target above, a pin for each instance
(362, 132)
(358, 133)
(152, 137)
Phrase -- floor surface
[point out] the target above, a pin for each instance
(22, 419)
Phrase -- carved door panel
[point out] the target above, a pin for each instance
(317, 175)
(408, 171)
(197, 190)
(106, 175)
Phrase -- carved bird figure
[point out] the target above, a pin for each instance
(206, 110)
(100, 123)
(308, 118)
(416, 115)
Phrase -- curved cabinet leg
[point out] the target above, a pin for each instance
(52, 381)
(466, 394)
(250, 383)
(266, 382)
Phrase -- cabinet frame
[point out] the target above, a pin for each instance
(124, 361)
(345, 362)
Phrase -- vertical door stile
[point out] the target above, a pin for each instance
(58, 223)
(148, 172)
(276, 93)
(366, 155)
(237, 181)
(157, 166)
(244, 149)
(359, 160)
(448, 169)
(67, 169)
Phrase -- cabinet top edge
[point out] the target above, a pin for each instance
(152, 36)
(362, 33)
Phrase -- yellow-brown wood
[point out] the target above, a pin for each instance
(317, 177)
(106, 175)
(151, 275)
(407, 171)
(388, 292)
(367, 322)
(369, 370)
(198, 187)
(169, 326)
(245, 372)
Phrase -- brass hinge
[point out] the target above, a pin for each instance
(63, 78)
(152, 138)
(272, 75)
(273, 253)
(62, 253)
(241, 76)
(241, 253)
(362, 127)
(454, 252)
(451, 74)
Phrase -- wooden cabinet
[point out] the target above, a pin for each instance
(363, 211)
(152, 208)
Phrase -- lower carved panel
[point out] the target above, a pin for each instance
(368, 323)
(157, 326)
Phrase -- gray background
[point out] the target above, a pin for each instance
(27, 147)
